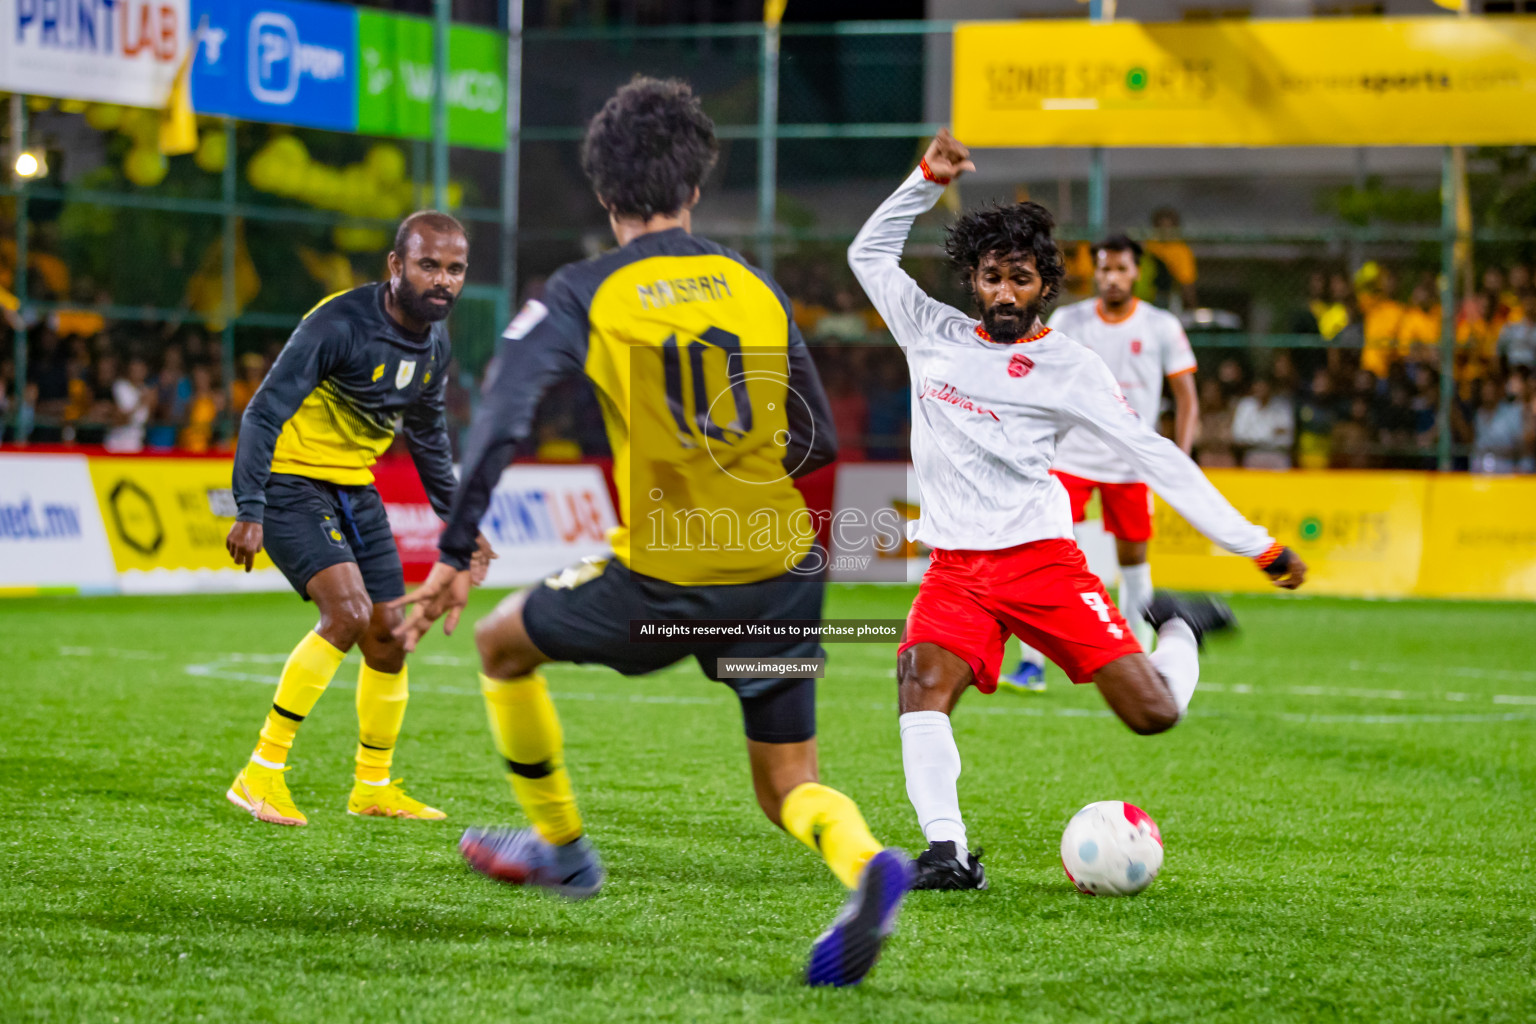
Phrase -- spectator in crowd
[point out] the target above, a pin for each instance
(1517, 340)
(1263, 425)
(133, 402)
(1382, 317)
(845, 323)
(1213, 448)
(49, 372)
(203, 410)
(1477, 335)
(1309, 319)
(889, 409)
(252, 369)
(1233, 381)
(1517, 282)
(1418, 334)
(1395, 421)
(1316, 417)
(173, 390)
(1424, 409)
(1492, 283)
(850, 409)
(1354, 437)
(1499, 426)
(1168, 270)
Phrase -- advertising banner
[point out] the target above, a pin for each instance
(1480, 537)
(1360, 533)
(114, 51)
(287, 61)
(51, 535)
(1327, 82)
(872, 507)
(541, 519)
(166, 521)
(544, 518)
(395, 80)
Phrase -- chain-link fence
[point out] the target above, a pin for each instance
(1387, 329)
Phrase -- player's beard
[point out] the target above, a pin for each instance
(416, 305)
(1008, 329)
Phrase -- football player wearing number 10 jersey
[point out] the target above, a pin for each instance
(990, 400)
(713, 407)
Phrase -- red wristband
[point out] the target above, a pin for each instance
(928, 173)
(1267, 559)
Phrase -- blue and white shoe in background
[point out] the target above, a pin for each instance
(1027, 678)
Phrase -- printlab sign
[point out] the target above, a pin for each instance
(113, 51)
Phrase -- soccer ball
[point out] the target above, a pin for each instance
(1111, 848)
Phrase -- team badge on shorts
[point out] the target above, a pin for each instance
(404, 372)
(332, 531)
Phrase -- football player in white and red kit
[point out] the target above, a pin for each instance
(990, 401)
(1143, 346)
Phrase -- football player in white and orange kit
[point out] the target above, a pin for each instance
(1142, 346)
(991, 399)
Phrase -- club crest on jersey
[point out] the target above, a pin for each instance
(1136, 347)
(1020, 365)
(404, 372)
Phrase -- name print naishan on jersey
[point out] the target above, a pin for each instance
(678, 290)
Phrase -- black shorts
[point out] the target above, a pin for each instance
(583, 616)
(312, 525)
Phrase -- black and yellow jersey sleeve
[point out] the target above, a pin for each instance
(710, 400)
(327, 409)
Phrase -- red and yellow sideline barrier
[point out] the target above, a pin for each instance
(1368, 533)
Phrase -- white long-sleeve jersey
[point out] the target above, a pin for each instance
(986, 417)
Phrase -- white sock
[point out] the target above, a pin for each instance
(1177, 660)
(1135, 592)
(1031, 656)
(932, 764)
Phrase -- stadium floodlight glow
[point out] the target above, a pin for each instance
(31, 163)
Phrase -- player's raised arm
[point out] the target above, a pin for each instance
(875, 254)
(1101, 407)
(315, 348)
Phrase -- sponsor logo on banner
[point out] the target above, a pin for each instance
(277, 60)
(544, 518)
(50, 530)
(1360, 533)
(1368, 81)
(167, 520)
(540, 519)
(395, 80)
(117, 51)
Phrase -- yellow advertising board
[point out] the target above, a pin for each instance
(1367, 534)
(1480, 537)
(1360, 533)
(167, 513)
(1324, 82)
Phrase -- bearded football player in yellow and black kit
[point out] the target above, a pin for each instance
(304, 490)
(712, 406)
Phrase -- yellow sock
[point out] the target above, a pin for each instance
(306, 674)
(381, 698)
(527, 732)
(830, 823)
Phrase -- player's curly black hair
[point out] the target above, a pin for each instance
(649, 147)
(1008, 230)
(1120, 243)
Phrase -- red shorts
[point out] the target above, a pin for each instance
(1042, 593)
(1127, 507)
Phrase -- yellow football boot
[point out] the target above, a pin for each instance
(262, 791)
(388, 800)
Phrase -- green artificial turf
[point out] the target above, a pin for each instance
(1347, 814)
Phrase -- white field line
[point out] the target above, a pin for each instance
(220, 667)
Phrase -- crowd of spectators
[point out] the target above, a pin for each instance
(1367, 398)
